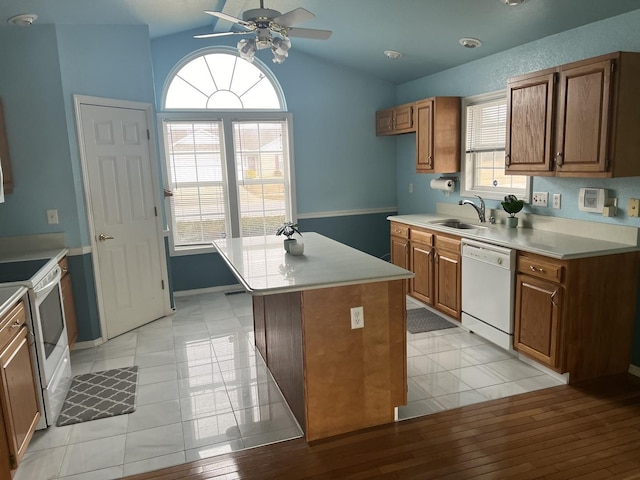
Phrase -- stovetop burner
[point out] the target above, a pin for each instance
(20, 271)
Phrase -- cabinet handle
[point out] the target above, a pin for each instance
(552, 298)
(430, 160)
(534, 269)
(558, 159)
(435, 256)
(16, 325)
(507, 160)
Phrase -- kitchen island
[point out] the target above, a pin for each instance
(335, 378)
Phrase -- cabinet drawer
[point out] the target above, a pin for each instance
(421, 237)
(399, 230)
(10, 322)
(64, 266)
(541, 268)
(448, 243)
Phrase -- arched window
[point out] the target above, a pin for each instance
(228, 151)
(222, 81)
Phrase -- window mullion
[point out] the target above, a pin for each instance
(231, 184)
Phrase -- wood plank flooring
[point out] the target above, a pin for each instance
(588, 431)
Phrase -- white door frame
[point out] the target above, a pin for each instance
(78, 101)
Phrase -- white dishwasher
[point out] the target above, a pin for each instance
(488, 281)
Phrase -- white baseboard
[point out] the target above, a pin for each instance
(634, 370)
(197, 291)
(88, 344)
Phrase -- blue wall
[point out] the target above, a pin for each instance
(491, 74)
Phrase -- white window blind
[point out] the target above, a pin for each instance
(484, 169)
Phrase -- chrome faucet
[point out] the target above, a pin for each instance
(480, 210)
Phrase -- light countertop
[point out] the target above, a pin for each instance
(543, 242)
(9, 296)
(55, 254)
(263, 267)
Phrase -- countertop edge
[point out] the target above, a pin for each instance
(291, 289)
(12, 299)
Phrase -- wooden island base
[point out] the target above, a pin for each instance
(336, 379)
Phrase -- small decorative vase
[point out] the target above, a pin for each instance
(288, 242)
(511, 222)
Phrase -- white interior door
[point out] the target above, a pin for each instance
(123, 216)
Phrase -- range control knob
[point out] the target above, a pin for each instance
(499, 261)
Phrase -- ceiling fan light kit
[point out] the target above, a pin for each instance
(271, 29)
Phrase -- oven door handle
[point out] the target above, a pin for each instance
(45, 289)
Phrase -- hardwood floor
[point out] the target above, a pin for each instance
(586, 431)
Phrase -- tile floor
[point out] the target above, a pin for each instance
(203, 391)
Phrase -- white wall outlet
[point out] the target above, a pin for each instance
(52, 217)
(411, 188)
(556, 200)
(540, 199)
(357, 317)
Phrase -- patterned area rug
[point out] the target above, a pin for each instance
(99, 395)
(422, 320)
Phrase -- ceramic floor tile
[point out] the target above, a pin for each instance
(41, 465)
(111, 363)
(163, 322)
(214, 449)
(196, 369)
(415, 391)
(154, 442)
(114, 352)
(419, 408)
(186, 340)
(83, 355)
(101, 428)
(274, 436)
(128, 339)
(193, 352)
(154, 463)
(154, 415)
(246, 376)
(432, 345)
(514, 369)
(447, 331)
(50, 438)
(263, 419)
(460, 399)
(441, 383)
(254, 395)
(537, 383)
(197, 406)
(160, 333)
(240, 361)
(161, 373)
(210, 430)
(110, 473)
(155, 359)
(162, 344)
(200, 385)
(81, 368)
(422, 365)
(413, 351)
(157, 392)
(487, 353)
(453, 359)
(501, 390)
(93, 455)
(183, 329)
(464, 339)
(478, 376)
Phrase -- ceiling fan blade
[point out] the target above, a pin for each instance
(294, 17)
(309, 33)
(228, 18)
(223, 34)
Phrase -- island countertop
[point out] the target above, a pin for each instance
(263, 267)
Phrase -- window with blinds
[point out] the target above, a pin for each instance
(228, 161)
(483, 168)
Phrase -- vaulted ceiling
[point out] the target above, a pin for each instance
(427, 32)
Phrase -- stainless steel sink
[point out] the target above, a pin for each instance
(454, 223)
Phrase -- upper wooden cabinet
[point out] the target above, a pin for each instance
(576, 120)
(393, 121)
(5, 163)
(438, 135)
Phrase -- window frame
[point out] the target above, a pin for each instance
(227, 117)
(466, 179)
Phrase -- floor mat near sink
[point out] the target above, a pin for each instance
(422, 320)
(99, 395)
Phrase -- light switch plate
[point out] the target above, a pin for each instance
(52, 217)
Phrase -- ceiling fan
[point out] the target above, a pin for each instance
(271, 28)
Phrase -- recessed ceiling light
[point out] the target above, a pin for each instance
(392, 54)
(512, 3)
(23, 20)
(470, 42)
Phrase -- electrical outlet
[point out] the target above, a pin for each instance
(634, 207)
(556, 200)
(52, 217)
(540, 199)
(357, 317)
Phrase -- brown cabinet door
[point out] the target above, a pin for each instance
(584, 104)
(69, 309)
(537, 328)
(424, 136)
(400, 252)
(403, 119)
(19, 398)
(384, 122)
(421, 286)
(530, 113)
(447, 282)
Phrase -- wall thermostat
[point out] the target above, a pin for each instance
(592, 199)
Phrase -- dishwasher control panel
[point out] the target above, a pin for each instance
(490, 254)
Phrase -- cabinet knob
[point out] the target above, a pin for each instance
(16, 325)
(507, 160)
(535, 269)
(558, 159)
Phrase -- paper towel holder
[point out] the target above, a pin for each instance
(446, 184)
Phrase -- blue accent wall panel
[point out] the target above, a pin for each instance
(206, 270)
(84, 295)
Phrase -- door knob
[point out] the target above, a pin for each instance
(102, 237)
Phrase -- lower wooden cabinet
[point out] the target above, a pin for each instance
(421, 254)
(18, 389)
(448, 276)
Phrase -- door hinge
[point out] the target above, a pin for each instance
(162, 283)
(155, 211)
(148, 135)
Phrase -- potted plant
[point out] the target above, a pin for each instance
(288, 229)
(512, 205)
